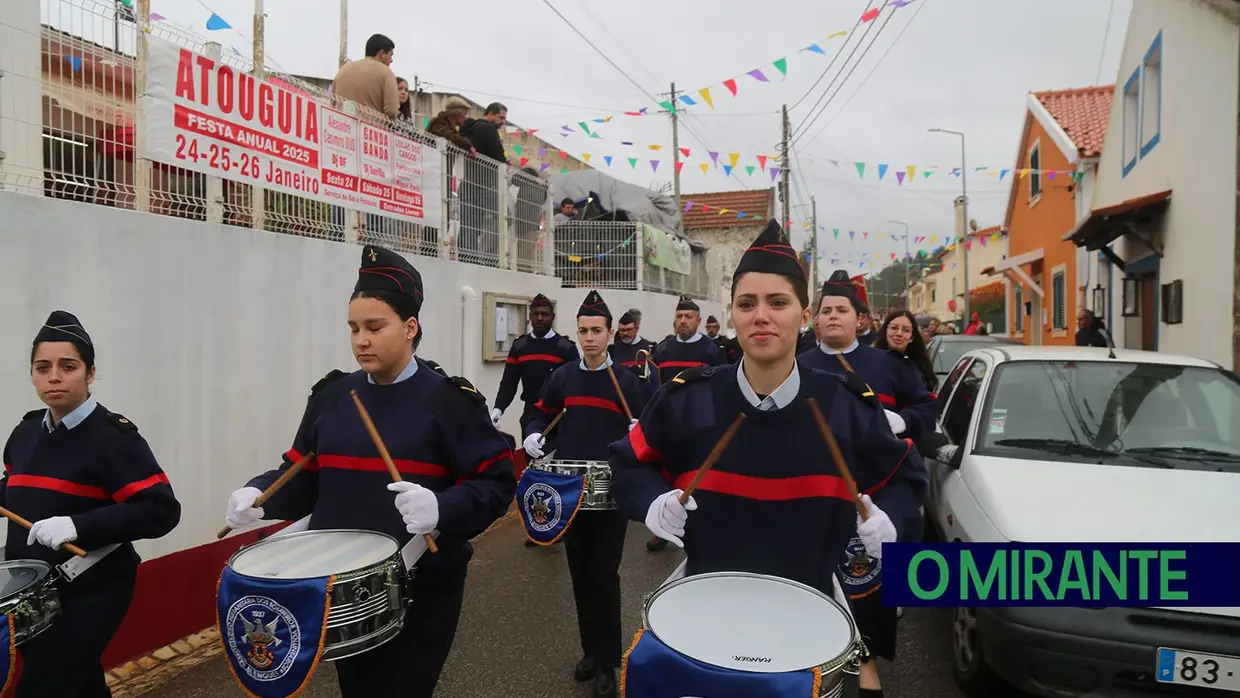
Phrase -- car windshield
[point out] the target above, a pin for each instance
(1156, 414)
(948, 353)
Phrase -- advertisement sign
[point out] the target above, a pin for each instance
(206, 116)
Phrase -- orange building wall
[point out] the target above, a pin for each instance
(1043, 225)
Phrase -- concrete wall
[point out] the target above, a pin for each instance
(209, 337)
(1194, 158)
(21, 103)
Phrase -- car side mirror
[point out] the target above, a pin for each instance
(951, 455)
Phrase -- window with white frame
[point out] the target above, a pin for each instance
(1018, 309)
(1151, 96)
(1059, 299)
(1035, 171)
(1132, 121)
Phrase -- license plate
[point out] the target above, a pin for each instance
(1198, 669)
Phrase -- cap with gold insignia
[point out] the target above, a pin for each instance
(593, 306)
(385, 270)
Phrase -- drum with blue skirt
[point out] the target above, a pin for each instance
(551, 492)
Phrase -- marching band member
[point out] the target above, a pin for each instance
(728, 345)
(531, 359)
(681, 350)
(909, 409)
(624, 349)
(790, 516)
(84, 475)
(594, 542)
(457, 468)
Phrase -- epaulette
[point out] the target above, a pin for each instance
(435, 367)
(34, 413)
(691, 375)
(854, 383)
(327, 380)
(468, 389)
(120, 422)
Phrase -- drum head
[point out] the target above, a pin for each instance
(313, 554)
(17, 576)
(749, 622)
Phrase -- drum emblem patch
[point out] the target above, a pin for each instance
(859, 568)
(543, 506)
(254, 632)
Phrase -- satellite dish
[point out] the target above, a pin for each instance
(973, 224)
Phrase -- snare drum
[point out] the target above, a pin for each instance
(368, 597)
(756, 623)
(597, 474)
(28, 594)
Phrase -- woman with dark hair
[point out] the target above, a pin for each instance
(457, 470)
(774, 503)
(405, 111)
(900, 336)
(84, 475)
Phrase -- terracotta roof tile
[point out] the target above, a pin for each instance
(706, 208)
(1083, 113)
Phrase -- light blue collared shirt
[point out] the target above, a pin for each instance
(75, 417)
(828, 350)
(780, 398)
(690, 340)
(602, 367)
(404, 375)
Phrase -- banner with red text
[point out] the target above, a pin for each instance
(206, 116)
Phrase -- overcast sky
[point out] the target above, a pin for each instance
(964, 65)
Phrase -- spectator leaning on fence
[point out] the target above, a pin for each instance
(370, 82)
(447, 124)
(484, 132)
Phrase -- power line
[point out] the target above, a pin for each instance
(1103, 53)
(867, 76)
(826, 70)
(843, 82)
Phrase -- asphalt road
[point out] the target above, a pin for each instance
(518, 634)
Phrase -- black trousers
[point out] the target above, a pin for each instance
(408, 665)
(64, 661)
(526, 415)
(594, 545)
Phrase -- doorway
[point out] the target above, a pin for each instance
(1149, 311)
(1035, 317)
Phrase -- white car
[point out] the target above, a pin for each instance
(1076, 444)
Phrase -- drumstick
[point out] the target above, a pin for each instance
(554, 422)
(838, 455)
(273, 488)
(847, 367)
(387, 457)
(623, 403)
(26, 524)
(715, 453)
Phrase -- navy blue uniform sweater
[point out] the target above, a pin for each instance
(530, 360)
(894, 379)
(438, 434)
(625, 354)
(673, 356)
(595, 415)
(101, 473)
(774, 502)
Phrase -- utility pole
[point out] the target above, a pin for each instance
(785, 147)
(344, 32)
(964, 232)
(813, 245)
(671, 101)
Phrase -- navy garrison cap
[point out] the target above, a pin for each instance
(541, 301)
(62, 326)
(385, 270)
(686, 303)
(593, 306)
(770, 253)
(843, 287)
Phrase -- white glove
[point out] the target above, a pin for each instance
(241, 509)
(533, 445)
(496, 415)
(632, 423)
(666, 516)
(896, 421)
(52, 532)
(418, 507)
(875, 530)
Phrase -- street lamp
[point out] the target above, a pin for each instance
(908, 285)
(964, 234)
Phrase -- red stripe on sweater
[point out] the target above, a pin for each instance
(642, 449)
(403, 466)
(135, 487)
(55, 484)
(587, 401)
(769, 489)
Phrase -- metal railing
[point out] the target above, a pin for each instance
(72, 130)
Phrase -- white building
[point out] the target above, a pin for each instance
(1164, 211)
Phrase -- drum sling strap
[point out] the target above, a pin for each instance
(76, 566)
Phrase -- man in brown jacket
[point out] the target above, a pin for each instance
(447, 124)
(370, 82)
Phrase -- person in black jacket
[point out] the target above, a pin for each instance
(478, 241)
(1090, 332)
(84, 475)
(484, 132)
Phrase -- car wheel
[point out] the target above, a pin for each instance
(972, 672)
